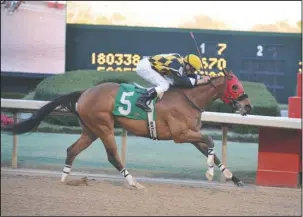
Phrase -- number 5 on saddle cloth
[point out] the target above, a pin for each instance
(125, 106)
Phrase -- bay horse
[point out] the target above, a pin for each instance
(178, 119)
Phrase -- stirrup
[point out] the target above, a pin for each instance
(142, 103)
(143, 107)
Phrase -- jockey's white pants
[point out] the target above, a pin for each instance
(145, 71)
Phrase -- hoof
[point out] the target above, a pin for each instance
(239, 184)
(135, 186)
(237, 181)
(209, 176)
(139, 186)
(228, 175)
(133, 183)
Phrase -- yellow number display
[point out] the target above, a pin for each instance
(128, 62)
(101, 59)
(204, 63)
(136, 59)
(119, 59)
(213, 62)
(115, 61)
(110, 59)
(222, 47)
(221, 64)
(93, 60)
(212, 74)
(220, 74)
(128, 59)
(98, 58)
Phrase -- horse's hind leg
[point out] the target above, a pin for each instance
(113, 157)
(203, 148)
(85, 140)
(102, 125)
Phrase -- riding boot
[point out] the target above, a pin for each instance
(148, 95)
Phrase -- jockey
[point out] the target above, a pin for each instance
(164, 70)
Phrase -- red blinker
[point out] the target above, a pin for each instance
(233, 90)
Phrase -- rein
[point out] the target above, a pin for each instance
(193, 104)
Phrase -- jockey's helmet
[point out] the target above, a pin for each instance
(194, 62)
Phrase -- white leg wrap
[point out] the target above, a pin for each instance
(210, 160)
(210, 163)
(63, 177)
(130, 180)
(210, 171)
(128, 177)
(66, 171)
(225, 171)
(221, 167)
(210, 157)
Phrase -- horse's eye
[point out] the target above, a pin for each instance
(235, 87)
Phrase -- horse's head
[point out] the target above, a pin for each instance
(235, 95)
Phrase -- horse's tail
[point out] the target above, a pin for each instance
(66, 101)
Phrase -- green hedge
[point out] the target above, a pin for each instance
(78, 80)
(264, 103)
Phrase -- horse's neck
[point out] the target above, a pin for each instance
(202, 95)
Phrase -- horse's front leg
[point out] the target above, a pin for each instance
(206, 146)
(190, 136)
(210, 156)
(202, 147)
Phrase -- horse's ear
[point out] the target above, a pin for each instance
(225, 72)
(229, 75)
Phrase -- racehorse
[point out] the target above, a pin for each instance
(178, 119)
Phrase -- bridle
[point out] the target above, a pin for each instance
(192, 104)
(233, 102)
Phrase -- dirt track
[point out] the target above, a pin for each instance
(33, 195)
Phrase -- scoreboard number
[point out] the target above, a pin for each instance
(222, 47)
(260, 51)
(202, 46)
